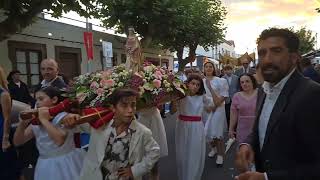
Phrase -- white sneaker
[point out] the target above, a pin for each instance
(219, 160)
(212, 152)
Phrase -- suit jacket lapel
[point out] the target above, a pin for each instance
(281, 104)
(135, 137)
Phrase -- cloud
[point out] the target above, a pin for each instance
(247, 18)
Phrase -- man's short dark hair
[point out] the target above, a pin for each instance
(227, 67)
(291, 39)
(121, 93)
(9, 78)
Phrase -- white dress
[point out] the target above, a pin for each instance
(215, 122)
(151, 118)
(54, 162)
(190, 139)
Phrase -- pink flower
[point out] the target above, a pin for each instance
(94, 85)
(100, 91)
(106, 74)
(158, 75)
(156, 83)
(107, 83)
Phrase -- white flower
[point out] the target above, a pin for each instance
(148, 86)
(169, 89)
(117, 147)
(120, 84)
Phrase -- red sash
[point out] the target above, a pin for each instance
(189, 118)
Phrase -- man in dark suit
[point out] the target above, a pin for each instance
(284, 143)
(49, 71)
(308, 70)
(245, 69)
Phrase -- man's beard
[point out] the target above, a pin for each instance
(272, 74)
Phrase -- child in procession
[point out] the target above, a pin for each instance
(121, 149)
(190, 136)
(58, 157)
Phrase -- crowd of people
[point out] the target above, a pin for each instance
(269, 111)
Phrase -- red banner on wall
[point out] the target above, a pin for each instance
(88, 43)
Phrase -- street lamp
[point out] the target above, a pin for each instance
(160, 59)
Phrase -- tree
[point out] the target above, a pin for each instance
(307, 39)
(200, 22)
(149, 18)
(18, 14)
(318, 10)
(174, 24)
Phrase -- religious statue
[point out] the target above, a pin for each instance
(133, 52)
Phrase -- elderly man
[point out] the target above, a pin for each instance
(245, 69)
(49, 72)
(284, 143)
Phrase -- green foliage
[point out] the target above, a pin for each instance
(171, 24)
(149, 18)
(200, 22)
(307, 39)
(18, 14)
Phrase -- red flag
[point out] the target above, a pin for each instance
(88, 43)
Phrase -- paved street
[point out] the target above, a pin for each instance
(168, 164)
(211, 172)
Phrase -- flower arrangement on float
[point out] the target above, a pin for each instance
(91, 91)
(154, 84)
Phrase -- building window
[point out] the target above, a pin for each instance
(123, 58)
(26, 58)
(115, 59)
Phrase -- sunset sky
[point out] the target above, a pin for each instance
(247, 18)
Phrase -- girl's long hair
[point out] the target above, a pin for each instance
(214, 73)
(195, 76)
(3, 80)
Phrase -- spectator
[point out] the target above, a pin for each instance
(8, 155)
(19, 90)
(308, 70)
(283, 144)
(243, 108)
(49, 72)
(233, 83)
(245, 61)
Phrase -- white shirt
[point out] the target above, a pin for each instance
(45, 83)
(272, 94)
(245, 70)
(18, 84)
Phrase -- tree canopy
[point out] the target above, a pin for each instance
(18, 14)
(200, 22)
(307, 39)
(172, 24)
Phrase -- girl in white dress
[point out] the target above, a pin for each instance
(189, 136)
(215, 116)
(58, 157)
(151, 118)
